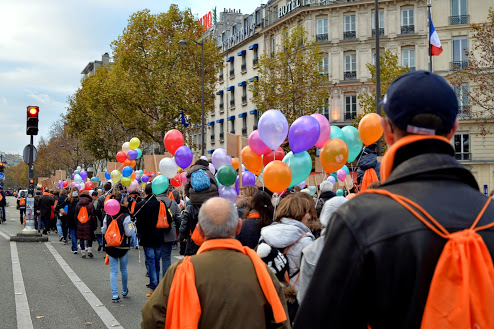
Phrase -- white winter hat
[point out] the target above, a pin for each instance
(329, 208)
(326, 186)
(306, 190)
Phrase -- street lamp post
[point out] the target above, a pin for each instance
(203, 144)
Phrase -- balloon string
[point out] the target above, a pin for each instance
(275, 206)
(138, 210)
(319, 192)
(361, 153)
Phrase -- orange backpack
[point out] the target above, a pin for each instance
(462, 287)
(83, 216)
(22, 202)
(370, 177)
(113, 236)
(162, 218)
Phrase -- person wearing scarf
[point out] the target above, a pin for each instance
(225, 285)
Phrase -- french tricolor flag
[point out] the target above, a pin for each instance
(435, 48)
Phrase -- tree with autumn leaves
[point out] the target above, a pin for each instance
(151, 82)
(290, 79)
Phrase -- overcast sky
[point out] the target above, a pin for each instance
(45, 44)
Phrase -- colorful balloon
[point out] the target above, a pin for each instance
(121, 157)
(183, 156)
(333, 155)
(78, 178)
(145, 178)
(226, 175)
(300, 165)
(303, 134)
(212, 169)
(65, 184)
(248, 179)
(77, 172)
(339, 192)
(115, 176)
(128, 162)
(126, 181)
(331, 180)
(83, 174)
(112, 207)
(132, 155)
(168, 167)
(228, 193)
(139, 153)
(370, 129)
(251, 160)
(336, 133)
(273, 128)
(324, 131)
(184, 178)
(341, 174)
(353, 141)
(279, 154)
(107, 175)
(173, 140)
(177, 180)
(277, 176)
(133, 186)
(256, 144)
(88, 186)
(134, 143)
(82, 186)
(160, 184)
(220, 158)
(127, 171)
(95, 178)
(126, 147)
(235, 163)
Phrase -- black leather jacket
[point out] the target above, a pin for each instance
(378, 259)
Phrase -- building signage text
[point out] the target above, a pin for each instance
(289, 7)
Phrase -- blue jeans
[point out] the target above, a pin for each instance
(59, 227)
(114, 271)
(73, 236)
(166, 256)
(133, 242)
(153, 256)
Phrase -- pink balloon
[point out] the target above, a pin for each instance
(132, 186)
(256, 144)
(184, 178)
(112, 207)
(341, 174)
(325, 130)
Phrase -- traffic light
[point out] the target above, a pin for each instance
(1, 167)
(32, 120)
(30, 188)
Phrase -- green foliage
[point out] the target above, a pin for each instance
(290, 79)
(390, 70)
(151, 81)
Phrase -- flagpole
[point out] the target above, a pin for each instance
(428, 38)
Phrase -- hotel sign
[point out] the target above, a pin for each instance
(239, 37)
(289, 7)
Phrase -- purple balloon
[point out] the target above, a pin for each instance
(228, 193)
(73, 175)
(183, 156)
(138, 179)
(236, 186)
(59, 184)
(273, 128)
(83, 175)
(132, 154)
(248, 179)
(220, 158)
(331, 180)
(303, 134)
(302, 185)
(145, 178)
(256, 144)
(325, 129)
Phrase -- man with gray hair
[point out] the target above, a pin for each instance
(228, 274)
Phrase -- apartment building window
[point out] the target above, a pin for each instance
(232, 124)
(381, 23)
(273, 46)
(460, 58)
(463, 101)
(462, 146)
(211, 128)
(325, 109)
(243, 65)
(232, 70)
(258, 17)
(231, 89)
(220, 75)
(322, 29)
(350, 107)
(244, 92)
(222, 104)
(222, 132)
(407, 21)
(244, 125)
(324, 66)
(408, 58)
(458, 12)
(350, 66)
(255, 113)
(349, 27)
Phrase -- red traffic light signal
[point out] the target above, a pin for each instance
(32, 120)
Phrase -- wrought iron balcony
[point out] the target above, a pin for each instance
(222, 136)
(322, 37)
(349, 35)
(232, 102)
(212, 138)
(222, 106)
(244, 132)
(243, 67)
(457, 20)
(220, 76)
(232, 74)
(463, 156)
(381, 32)
(407, 29)
(459, 65)
(351, 75)
(255, 61)
(244, 99)
(464, 112)
(350, 116)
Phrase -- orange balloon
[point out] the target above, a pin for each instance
(370, 129)
(277, 176)
(333, 155)
(128, 162)
(235, 163)
(133, 176)
(251, 161)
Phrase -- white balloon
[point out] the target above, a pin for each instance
(168, 167)
(203, 157)
(132, 186)
(126, 147)
(78, 178)
(212, 169)
(82, 186)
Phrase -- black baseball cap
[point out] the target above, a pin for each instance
(421, 92)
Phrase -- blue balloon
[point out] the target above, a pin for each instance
(127, 171)
(336, 133)
(107, 175)
(353, 141)
(345, 168)
(303, 134)
(300, 164)
(273, 128)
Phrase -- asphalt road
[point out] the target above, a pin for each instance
(62, 290)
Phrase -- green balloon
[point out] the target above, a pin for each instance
(226, 175)
(125, 181)
(353, 141)
(336, 133)
(95, 179)
(77, 172)
(139, 153)
(159, 184)
(339, 192)
(300, 164)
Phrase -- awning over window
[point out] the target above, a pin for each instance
(253, 78)
(254, 46)
(220, 120)
(230, 118)
(242, 83)
(242, 115)
(210, 151)
(230, 59)
(230, 88)
(211, 123)
(253, 112)
(219, 92)
(241, 53)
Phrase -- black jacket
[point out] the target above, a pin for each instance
(190, 217)
(249, 233)
(45, 203)
(378, 259)
(367, 160)
(146, 218)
